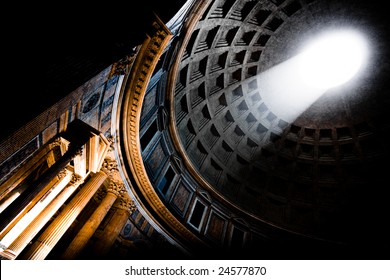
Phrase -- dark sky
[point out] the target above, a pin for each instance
(42, 45)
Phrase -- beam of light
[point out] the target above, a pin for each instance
(331, 60)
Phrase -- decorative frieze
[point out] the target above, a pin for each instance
(122, 66)
(138, 80)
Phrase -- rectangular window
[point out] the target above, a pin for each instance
(197, 214)
(148, 135)
(166, 181)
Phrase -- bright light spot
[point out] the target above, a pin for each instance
(333, 59)
(291, 87)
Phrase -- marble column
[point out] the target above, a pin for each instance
(115, 189)
(18, 245)
(53, 233)
(11, 212)
(124, 207)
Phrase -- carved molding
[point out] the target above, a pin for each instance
(122, 67)
(135, 90)
(111, 142)
(61, 175)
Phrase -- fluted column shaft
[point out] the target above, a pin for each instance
(49, 238)
(11, 212)
(26, 218)
(17, 246)
(115, 188)
(89, 228)
(112, 230)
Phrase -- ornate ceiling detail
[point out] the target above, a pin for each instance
(136, 86)
(292, 173)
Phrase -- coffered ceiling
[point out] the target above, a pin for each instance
(327, 165)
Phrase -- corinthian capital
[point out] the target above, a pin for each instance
(116, 187)
(56, 142)
(126, 203)
(61, 175)
(110, 167)
(76, 180)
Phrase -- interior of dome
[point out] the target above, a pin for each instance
(308, 173)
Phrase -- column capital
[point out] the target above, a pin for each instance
(62, 174)
(56, 142)
(76, 180)
(116, 187)
(125, 203)
(110, 167)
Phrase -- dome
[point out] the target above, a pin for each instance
(314, 172)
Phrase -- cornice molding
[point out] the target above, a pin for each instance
(134, 92)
